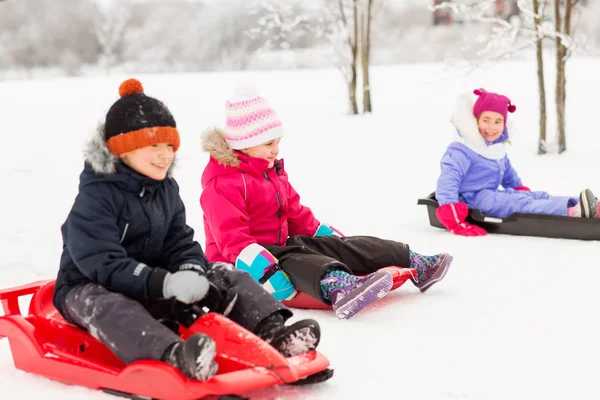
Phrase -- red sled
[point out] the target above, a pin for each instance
(303, 300)
(43, 343)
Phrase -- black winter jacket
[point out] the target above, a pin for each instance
(125, 231)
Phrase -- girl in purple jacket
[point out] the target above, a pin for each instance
(476, 172)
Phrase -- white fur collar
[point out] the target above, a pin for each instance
(495, 151)
(466, 125)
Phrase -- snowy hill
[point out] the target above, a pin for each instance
(515, 318)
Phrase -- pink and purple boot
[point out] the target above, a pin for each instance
(350, 293)
(431, 269)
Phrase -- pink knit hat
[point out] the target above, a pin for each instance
(250, 122)
(489, 101)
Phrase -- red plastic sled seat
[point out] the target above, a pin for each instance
(303, 300)
(43, 343)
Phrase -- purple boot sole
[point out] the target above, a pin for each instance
(435, 273)
(347, 302)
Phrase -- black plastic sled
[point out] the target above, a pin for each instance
(524, 224)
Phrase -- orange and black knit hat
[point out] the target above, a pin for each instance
(137, 120)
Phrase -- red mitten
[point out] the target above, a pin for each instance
(452, 216)
(523, 188)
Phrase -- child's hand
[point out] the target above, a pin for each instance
(452, 216)
(466, 229)
(186, 286)
(523, 188)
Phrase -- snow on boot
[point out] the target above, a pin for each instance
(432, 273)
(194, 357)
(347, 300)
(298, 338)
(587, 203)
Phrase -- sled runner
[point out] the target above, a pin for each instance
(43, 343)
(302, 300)
(524, 224)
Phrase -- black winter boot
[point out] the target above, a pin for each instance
(194, 357)
(298, 338)
(587, 204)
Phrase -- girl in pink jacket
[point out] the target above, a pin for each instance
(253, 218)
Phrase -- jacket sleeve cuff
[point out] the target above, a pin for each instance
(155, 283)
(327, 230)
(192, 267)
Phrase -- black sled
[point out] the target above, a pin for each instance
(524, 224)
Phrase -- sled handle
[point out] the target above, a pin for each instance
(10, 296)
(478, 216)
(489, 220)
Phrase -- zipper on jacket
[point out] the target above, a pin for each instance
(500, 172)
(278, 204)
(278, 216)
(124, 233)
(147, 216)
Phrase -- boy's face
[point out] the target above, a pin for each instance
(491, 125)
(153, 161)
(267, 151)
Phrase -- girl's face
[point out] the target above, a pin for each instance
(491, 125)
(152, 161)
(267, 151)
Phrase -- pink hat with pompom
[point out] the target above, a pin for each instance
(488, 101)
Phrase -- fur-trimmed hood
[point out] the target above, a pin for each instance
(226, 161)
(96, 153)
(466, 124)
(466, 127)
(213, 142)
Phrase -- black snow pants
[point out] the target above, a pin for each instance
(306, 259)
(132, 331)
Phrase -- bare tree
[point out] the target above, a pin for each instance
(279, 21)
(337, 21)
(530, 30)
(538, 10)
(366, 10)
(34, 35)
(110, 32)
(347, 33)
(563, 25)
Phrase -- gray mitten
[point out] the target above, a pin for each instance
(186, 286)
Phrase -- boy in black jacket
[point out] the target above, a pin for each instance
(128, 254)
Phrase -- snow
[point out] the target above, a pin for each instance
(514, 318)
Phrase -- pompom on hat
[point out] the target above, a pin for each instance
(136, 120)
(488, 101)
(250, 121)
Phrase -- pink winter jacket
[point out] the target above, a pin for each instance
(246, 202)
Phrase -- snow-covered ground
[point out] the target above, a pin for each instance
(515, 318)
